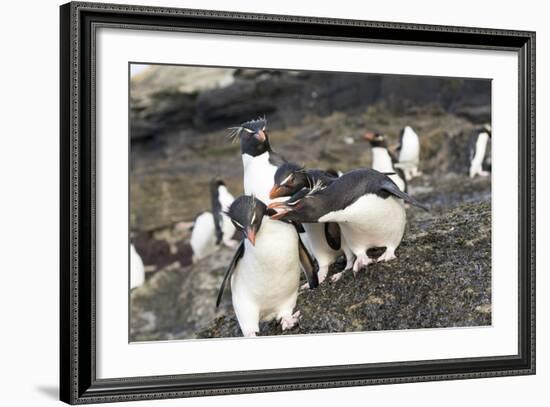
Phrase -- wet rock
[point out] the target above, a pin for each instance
(178, 302)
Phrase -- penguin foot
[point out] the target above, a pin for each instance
(290, 321)
(484, 174)
(338, 276)
(388, 255)
(250, 334)
(361, 261)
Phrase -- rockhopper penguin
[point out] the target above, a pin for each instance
(210, 229)
(323, 239)
(221, 199)
(366, 204)
(259, 160)
(383, 160)
(477, 147)
(265, 270)
(409, 153)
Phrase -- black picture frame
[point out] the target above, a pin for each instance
(78, 382)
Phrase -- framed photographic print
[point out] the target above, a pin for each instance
(255, 203)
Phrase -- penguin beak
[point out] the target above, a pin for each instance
(251, 235)
(276, 192)
(280, 208)
(369, 136)
(260, 136)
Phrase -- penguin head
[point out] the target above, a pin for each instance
(247, 213)
(376, 139)
(253, 136)
(303, 206)
(215, 184)
(289, 179)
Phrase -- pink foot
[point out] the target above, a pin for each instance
(290, 321)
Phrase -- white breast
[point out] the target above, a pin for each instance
(370, 221)
(258, 176)
(381, 160)
(481, 147)
(203, 236)
(268, 275)
(137, 269)
(410, 147)
(318, 245)
(225, 197)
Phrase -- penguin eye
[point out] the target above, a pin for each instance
(288, 180)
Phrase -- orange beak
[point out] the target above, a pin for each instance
(251, 236)
(280, 207)
(275, 192)
(369, 136)
(260, 136)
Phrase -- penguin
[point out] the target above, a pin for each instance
(203, 236)
(221, 199)
(265, 270)
(259, 161)
(323, 239)
(367, 205)
(137, 269)
(409, 153)
(479, 163)
(211, 229)
(383, 160)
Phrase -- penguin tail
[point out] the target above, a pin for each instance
(394, 190)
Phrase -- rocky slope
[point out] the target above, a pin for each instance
(441, 278)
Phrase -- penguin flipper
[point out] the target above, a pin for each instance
(332, 235)
(308, 265)
(234, 261)
(393, 189)
(218, 221)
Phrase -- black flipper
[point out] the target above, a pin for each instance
(218, 221)
(236, 257)
(299, 227)
(332, 235)
(308, 265)
(216, 210)
(390, 187)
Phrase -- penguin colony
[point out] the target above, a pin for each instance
(297, 219)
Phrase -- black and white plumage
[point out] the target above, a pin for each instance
(479, 163)
(259, 161)
(211, 228)
(265, 271)
(384, 160)
(221, 199)
(323, 240)
(367, 205)
(409, 153)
